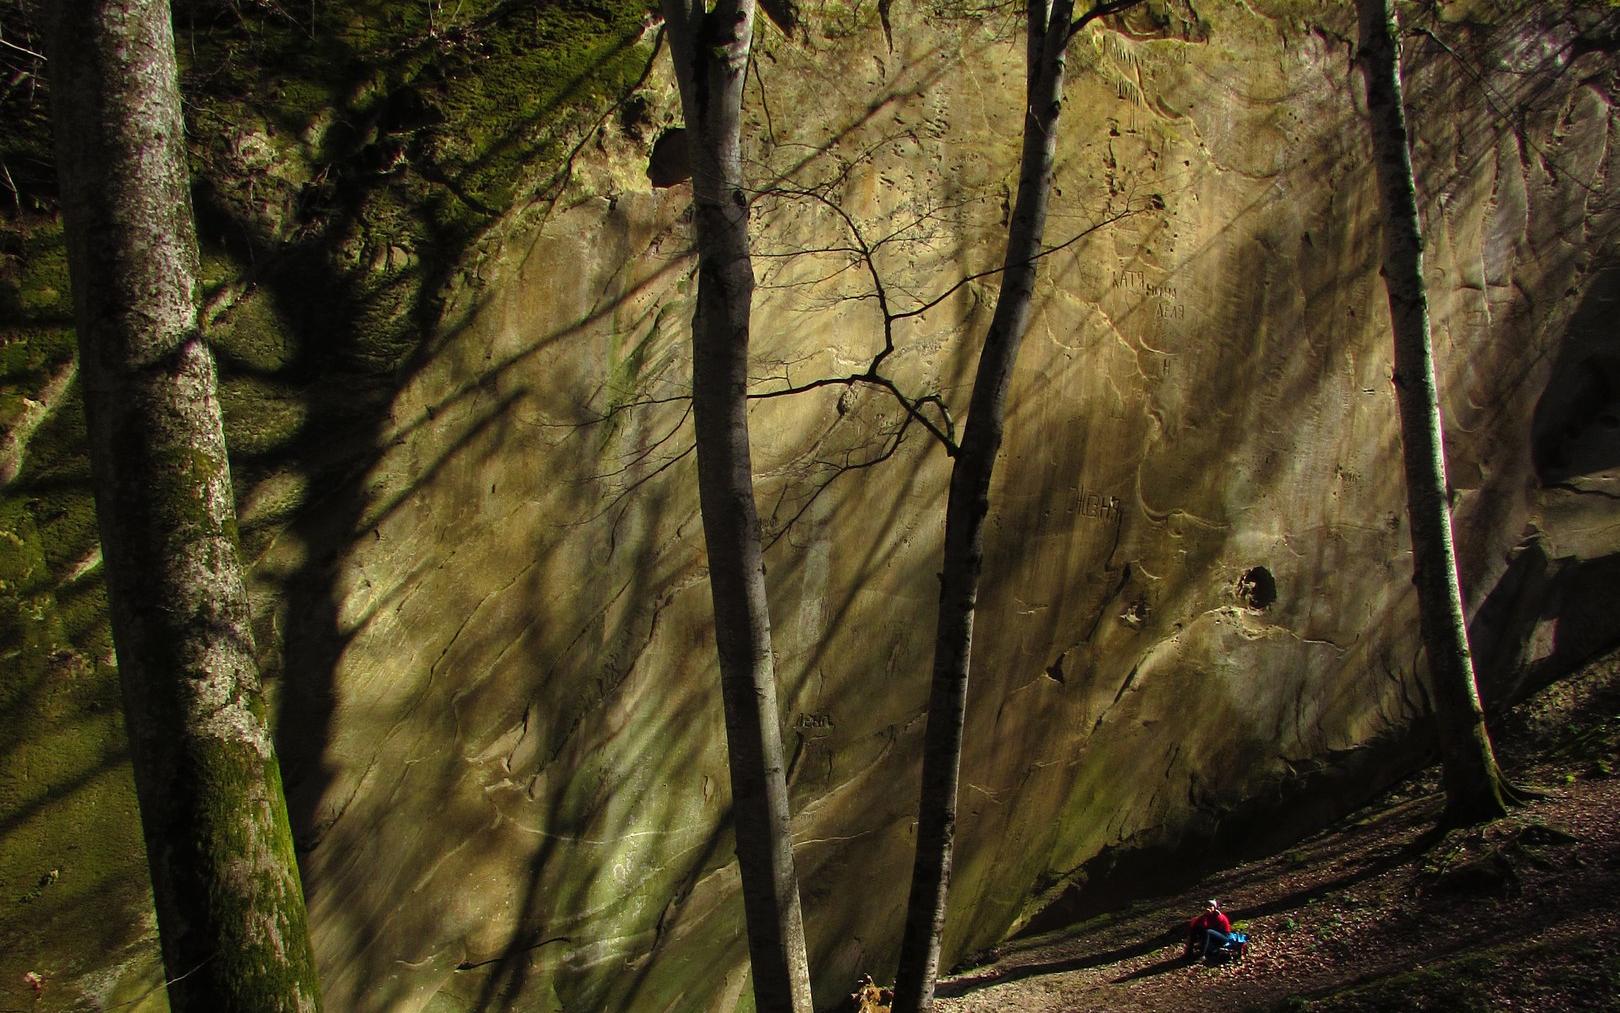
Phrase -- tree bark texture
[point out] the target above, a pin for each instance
(224, 878)
(969, 500)
(710, 50)
(1474, 788)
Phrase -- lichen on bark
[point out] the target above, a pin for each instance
(229, 902)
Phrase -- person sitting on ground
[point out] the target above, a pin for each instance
(1209, 931)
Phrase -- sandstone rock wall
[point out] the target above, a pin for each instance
(504, 739)
(1196, 591)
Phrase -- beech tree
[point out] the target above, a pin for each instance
(1049, 27)
(225, 881)
(1475, 789)
(710, 47)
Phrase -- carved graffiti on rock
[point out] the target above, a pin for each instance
(1166, 300)
(1098, 506)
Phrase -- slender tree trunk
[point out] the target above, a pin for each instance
(1048, 32)
(225, 881)
(1474, 787)
(710, 52)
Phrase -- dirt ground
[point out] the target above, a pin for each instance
(1380, 912)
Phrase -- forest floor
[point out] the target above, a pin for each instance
(1381, 912)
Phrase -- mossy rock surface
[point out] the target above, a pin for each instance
(460, 445)
(348, 157)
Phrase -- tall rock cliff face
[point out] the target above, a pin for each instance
(498, 697)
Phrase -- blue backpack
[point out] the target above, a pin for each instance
(1237, 945)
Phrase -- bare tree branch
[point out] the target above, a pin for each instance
(1101, 10)
(838, 472)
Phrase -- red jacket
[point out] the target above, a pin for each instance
(1209, 920)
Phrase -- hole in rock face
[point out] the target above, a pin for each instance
(1258, 588)
(669, 163)
(635, 117)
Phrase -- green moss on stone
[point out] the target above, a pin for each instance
(342, 256)
(28, 356)
(253, 337)
(22, 559)
(67, 523)
(72, 873)
(261, 416)
(58, 452)
(42, 292)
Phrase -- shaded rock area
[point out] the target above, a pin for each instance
(471, 505)
(1380, 911)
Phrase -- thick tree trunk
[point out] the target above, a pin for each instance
(229, 904)
(969, 500)
(1474, 788)
(710, 51)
